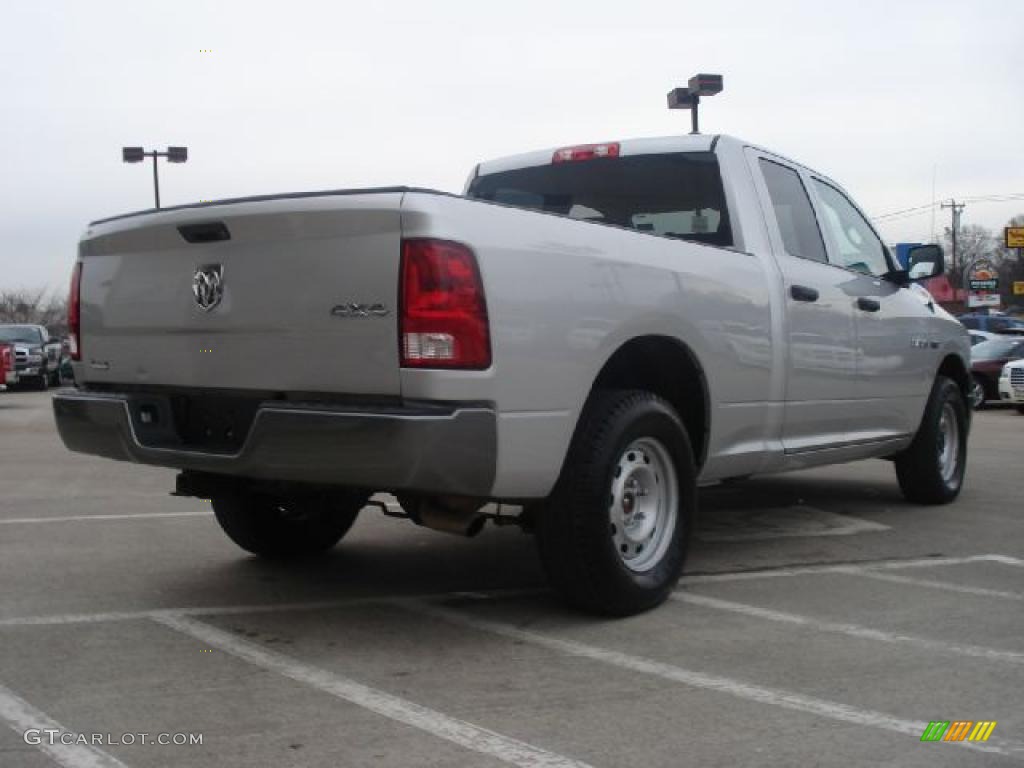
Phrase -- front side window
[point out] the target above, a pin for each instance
(675, 195)
(859, 246)
(793, 212)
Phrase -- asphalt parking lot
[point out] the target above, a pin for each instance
(822, 621)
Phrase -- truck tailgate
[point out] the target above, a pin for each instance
(289, 270)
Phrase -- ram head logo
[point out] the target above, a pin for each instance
(208, 286)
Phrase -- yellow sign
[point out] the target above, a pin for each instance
(1015, 237)
(1018, 287)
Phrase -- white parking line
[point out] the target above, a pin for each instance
(851, 630)
(22, 716)
(760, 694)
(803, 570)
(436, 723)
(57, 619)
(92, 518)
(933, 584)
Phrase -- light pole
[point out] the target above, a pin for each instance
(689, 98)
(137, 155)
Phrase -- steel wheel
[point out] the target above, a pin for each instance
(644, 504)
(977, 396)
(948, 444)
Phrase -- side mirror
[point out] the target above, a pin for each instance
(924, 262)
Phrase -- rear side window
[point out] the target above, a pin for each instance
(676, 195)
(793, 212)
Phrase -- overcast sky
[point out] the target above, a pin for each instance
(882, 96)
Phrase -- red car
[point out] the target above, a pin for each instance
(987, 361)
(6, 364)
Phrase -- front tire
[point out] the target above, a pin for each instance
(979, 392)
(614, 533)
(931, 470)
(276, 527)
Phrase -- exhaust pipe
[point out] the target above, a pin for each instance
(449, 514)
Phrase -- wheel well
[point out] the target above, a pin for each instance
(953, 367)
(670, 370)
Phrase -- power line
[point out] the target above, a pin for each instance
(922, 209)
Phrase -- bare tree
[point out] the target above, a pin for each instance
(972, 242)
(34, 307)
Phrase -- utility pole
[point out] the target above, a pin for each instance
(957, 209)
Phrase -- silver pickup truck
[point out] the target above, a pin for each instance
(586, 334)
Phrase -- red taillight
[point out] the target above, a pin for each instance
(585, 152)
(75, 312)
(443, 313)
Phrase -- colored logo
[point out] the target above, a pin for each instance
(958, 730)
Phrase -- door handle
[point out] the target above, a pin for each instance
(868, 305)
(803, 293)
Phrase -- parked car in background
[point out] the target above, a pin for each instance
(36, 354)
(992, 323)
(6, 364)
(987, 361)
(1011, 384)
(979, 336)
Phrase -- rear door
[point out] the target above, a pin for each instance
(295, 294)
(820, 332)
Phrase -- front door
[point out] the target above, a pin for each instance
(895, 356)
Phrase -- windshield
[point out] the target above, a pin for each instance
(27, 334)
(676, 195)
(995, 348)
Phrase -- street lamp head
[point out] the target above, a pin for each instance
(705, 85)
(680, 98)
(132, 154)
(177, 154)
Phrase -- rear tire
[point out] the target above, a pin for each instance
(931, 470)
(613, 535)
(278, 527)
(1020, 410)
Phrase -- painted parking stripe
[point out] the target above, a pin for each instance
(57, 619)
(22, 716)
(775, 697)
(851, 630)
(460, 732)
(934, 584)
(804, 570)
(92, 518)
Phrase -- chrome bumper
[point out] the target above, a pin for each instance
(444, 448)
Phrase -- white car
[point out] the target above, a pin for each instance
(1011, 384)
(979, 336)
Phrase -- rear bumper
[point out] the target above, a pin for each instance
(447, 448)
